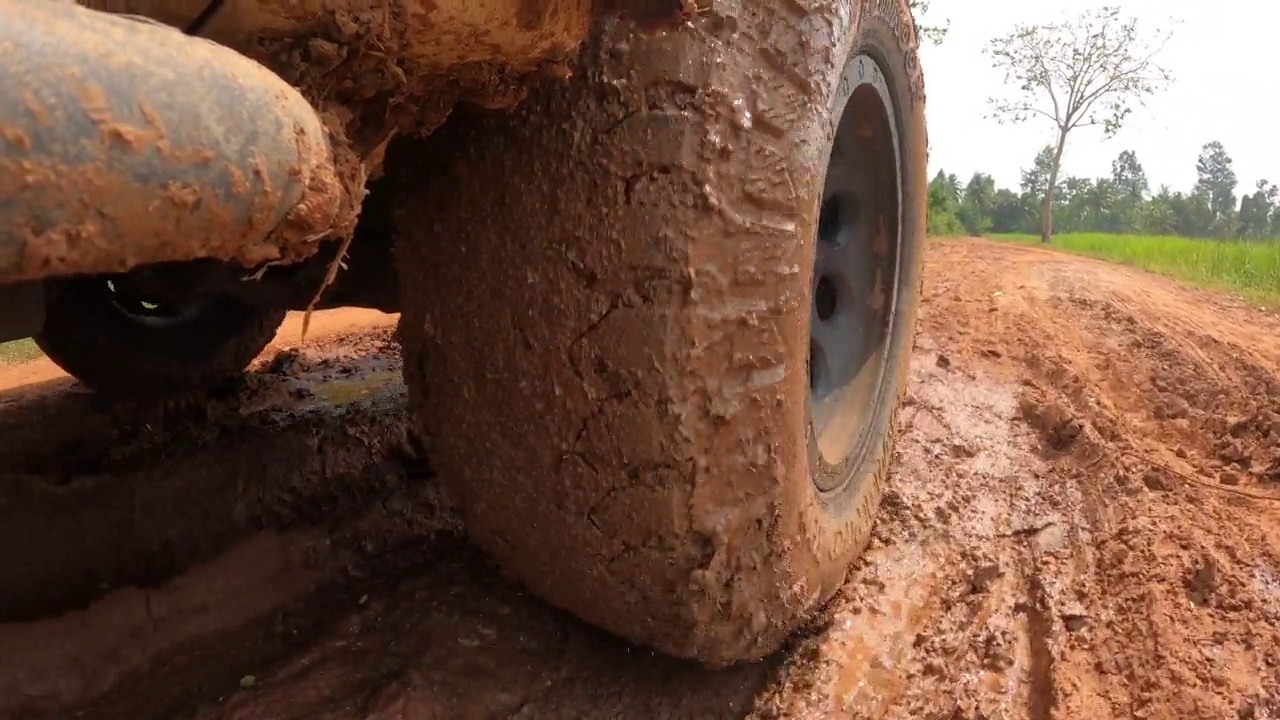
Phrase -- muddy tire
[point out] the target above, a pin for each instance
(118, 349)
(607, 309)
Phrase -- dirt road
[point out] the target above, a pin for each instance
(1081, 526)
(41, 375)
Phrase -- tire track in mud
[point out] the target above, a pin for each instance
(1154, 407)
(1073, 530)
(1076, 528)
(949, 600)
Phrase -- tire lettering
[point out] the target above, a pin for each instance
(898, 16)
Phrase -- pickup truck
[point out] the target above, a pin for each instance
(657, 262)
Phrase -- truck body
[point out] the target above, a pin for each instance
(657, 261)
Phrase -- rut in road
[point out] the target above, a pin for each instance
(1079, 526)
(1082, 525)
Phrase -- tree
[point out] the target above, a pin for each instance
(1216, 183)
(1195, 217)
(1036, 178)
(1008, 212)
(1129, 177)
(1256, 211)
(950, 185)
(1119, 203)
(1104, 206)
(943, 202)
(1080, 72)
(1071, 200)
(1129, 180)
(932, 33)
(1160, 215)
(977, 204)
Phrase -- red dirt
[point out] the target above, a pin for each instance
(1080, 526)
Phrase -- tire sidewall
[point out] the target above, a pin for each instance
(620, 408)
(835, 527)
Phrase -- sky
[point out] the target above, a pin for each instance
(1222, 56)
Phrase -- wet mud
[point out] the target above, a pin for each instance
(1079, 525)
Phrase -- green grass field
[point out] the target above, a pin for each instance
(1251, 270)
(18, 351)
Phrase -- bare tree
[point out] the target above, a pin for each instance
(932, 33)
(1083, 71)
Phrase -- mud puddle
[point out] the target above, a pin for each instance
(948, 595)
(130, 534)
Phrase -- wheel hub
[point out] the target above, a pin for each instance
(855, 273)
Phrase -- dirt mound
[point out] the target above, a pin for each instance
(1080, 527)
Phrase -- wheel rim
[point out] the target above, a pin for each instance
(856, 275)
(151, 310)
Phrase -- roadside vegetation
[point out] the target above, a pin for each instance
(1208, 236)
(1088, 70)
(18, 351)
(1080, 72)
(1248, 269)
(1122, 203)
